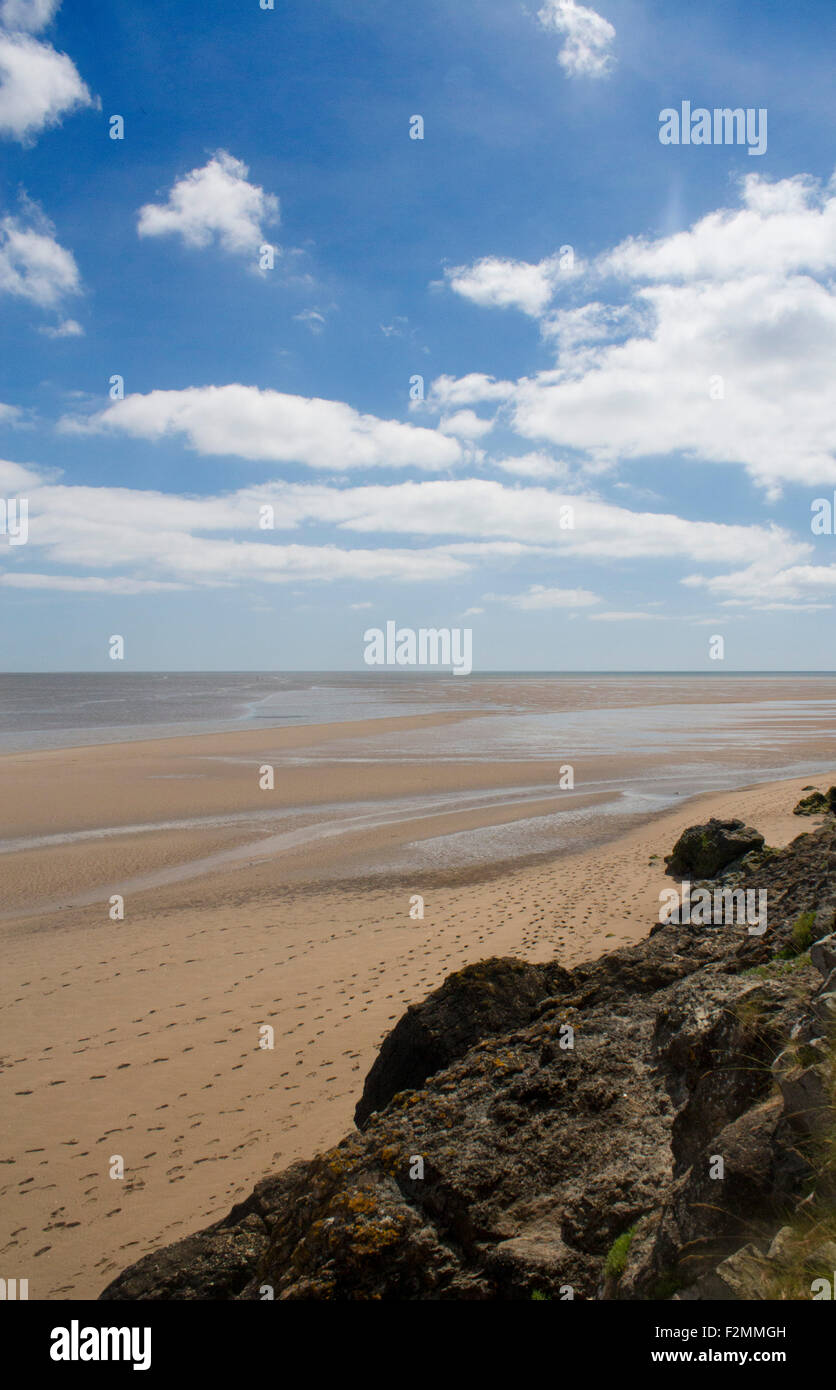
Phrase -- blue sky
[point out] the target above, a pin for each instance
(667, 375)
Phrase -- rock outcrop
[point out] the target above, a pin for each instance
(491, 997)
(656, 1124)
(817, 803)
(703, 850)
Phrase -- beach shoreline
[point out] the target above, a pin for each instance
(140, 1039)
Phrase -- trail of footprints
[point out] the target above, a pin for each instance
(307, 1066)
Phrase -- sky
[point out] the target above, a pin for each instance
(379, 312)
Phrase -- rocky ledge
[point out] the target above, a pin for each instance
(657, 1124)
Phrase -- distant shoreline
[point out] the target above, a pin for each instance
(40, 712)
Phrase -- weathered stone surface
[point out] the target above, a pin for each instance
(481, 1000)
(817, 803)
(720, 1056)
(807, 1098)
(535, 1157)
(729, 1190)
(742, 1277)
(823, 955)
(214, 1264)
(703, 850)
(824, 1008)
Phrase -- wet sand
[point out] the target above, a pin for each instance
(139, 1039)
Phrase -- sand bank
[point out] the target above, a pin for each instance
(140, 1038)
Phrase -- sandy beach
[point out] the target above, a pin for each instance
(294, 937)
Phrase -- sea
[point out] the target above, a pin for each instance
(638, 743)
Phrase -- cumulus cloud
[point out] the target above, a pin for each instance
(33, 265)
(38, 86)
(588, 37)
(31, 15)
(571, 329)
(215, 203)
(724, 351)
(494, 283)
(14, 477)
(468, 390)
(782, 228)
(466, 424)
(253, 424)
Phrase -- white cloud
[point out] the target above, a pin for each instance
(493, 283)
(485, 509)
(215, 202)
(313, 318)
(253, 424)
(67, 328)
(739, 372)
(38, 86)
(32, 264)
(468, 390)
(571, 329)
(72, 584)
(538, 597)
(587, 50)
(217, 542)
(782, 228)
(30, 15)
(790, 608)
(15, 478)
(725, 351)
(466, 424)
(535, 465)
(766, 586)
